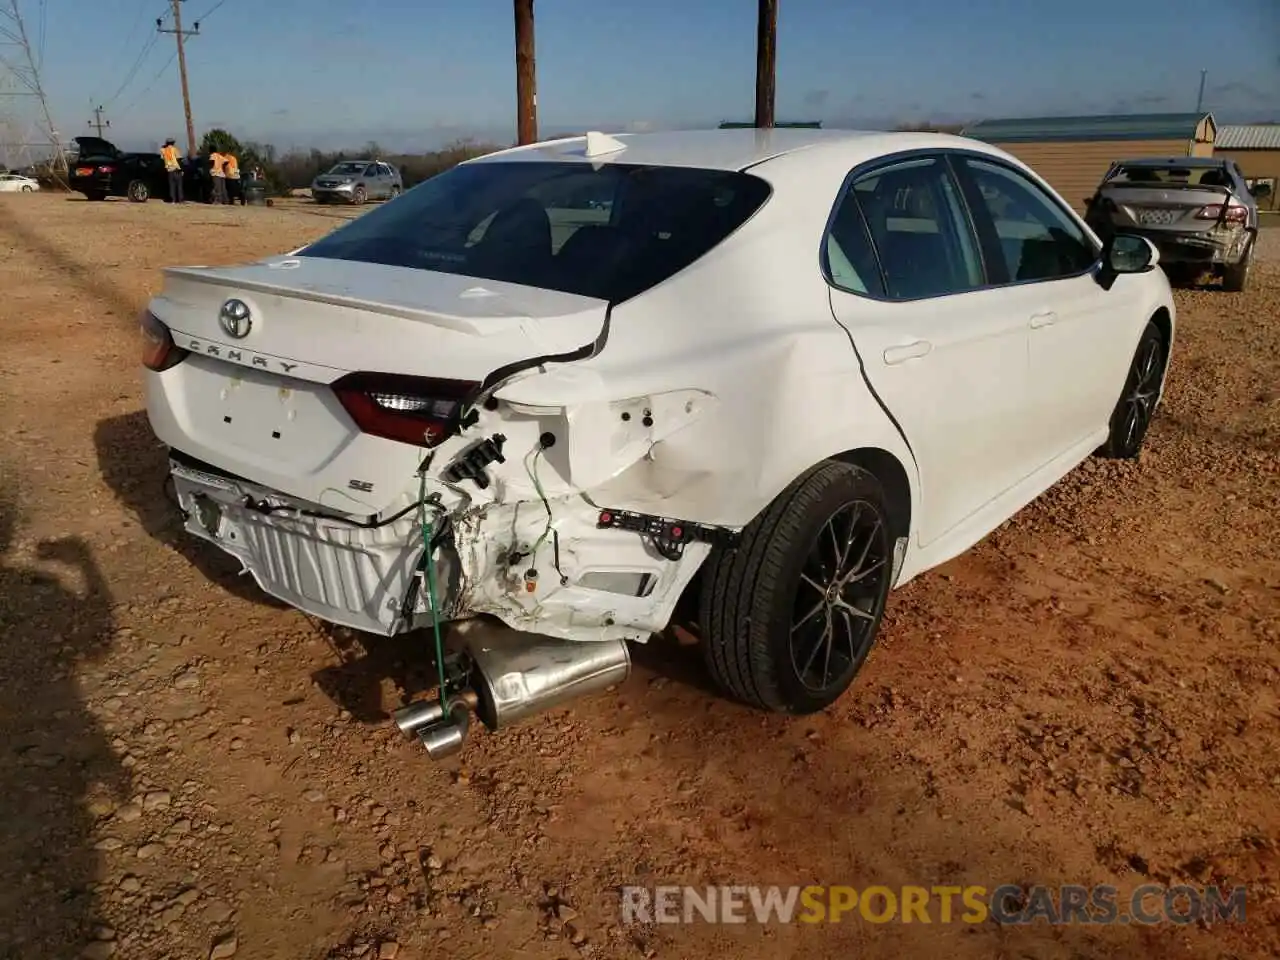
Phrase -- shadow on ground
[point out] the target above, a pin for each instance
(365, 662)
(93, 282)
(134, 464)
(56, 758)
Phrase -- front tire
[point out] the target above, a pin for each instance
(790, 614)
(1132, 415)
(28, 189)
(359, 195)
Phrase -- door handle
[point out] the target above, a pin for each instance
(908, 351)
(1047, 318)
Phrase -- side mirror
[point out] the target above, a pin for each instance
(1126, 253)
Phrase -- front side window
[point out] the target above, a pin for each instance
(1037, 239)
(610, 232)
(348, 169)
(917, 223)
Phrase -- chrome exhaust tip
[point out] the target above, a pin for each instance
(413, 716)
(445, 738)
(441, 735)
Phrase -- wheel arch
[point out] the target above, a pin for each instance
(1162, 319)
(893, 476)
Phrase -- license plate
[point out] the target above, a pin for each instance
(1157, 217)
(84, 171)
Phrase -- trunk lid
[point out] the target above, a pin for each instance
(1167, 207)
(96, 148)
(260, 404)
(337, 316)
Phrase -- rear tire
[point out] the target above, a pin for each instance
(1235, 276)
(27, 189)
(95, 196)
(138, 192)
(1132, 415)
(790, 614)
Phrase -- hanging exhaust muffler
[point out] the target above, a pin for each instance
(517, 675)
(514, 675)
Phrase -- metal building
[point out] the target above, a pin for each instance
(1073, 153)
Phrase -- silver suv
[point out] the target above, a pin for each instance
(355, 181)
(1198, 211)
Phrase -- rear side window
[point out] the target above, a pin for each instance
(610, 232)
(919, 230)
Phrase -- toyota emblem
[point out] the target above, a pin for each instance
(235, 319)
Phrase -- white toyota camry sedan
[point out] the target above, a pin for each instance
(563, 384)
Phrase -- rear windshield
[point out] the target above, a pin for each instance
(1171, 175)
(610, 232)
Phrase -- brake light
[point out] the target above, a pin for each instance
(423, 411)
(159, 352)
(1234, 214)
(107, 169)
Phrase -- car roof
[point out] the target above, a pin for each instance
(1175, 162)
(730, 150)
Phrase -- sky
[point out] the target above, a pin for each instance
(419, 73)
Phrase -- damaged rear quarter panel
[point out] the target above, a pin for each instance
(747, 381)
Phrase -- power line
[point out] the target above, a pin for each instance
(40, 46)
(152, 82)
(209, 11)
(133, 71)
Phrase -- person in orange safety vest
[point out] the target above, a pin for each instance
(232, 167)
(218, 171)
(173, 168)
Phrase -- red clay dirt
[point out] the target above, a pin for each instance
(190, 770)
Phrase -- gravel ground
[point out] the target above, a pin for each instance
(190, 770)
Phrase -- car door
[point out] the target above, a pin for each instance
(1080, 336)
(946, 357)
(382, 181)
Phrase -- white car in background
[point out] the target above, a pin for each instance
(802, 366)
(17, 183)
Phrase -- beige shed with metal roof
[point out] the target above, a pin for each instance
(1074, 153)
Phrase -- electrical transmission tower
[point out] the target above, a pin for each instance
(26, 127)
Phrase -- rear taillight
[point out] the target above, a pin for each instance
(107, 168)
(420, 410)
(159, 352)
(1234, 214)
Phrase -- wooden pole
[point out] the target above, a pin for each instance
(526, 75)
(181, 36)
(766, 61)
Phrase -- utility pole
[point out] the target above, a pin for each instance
(526, 75)
(766, 61)
(1200, 98)
(181, 35)
(97, 120)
